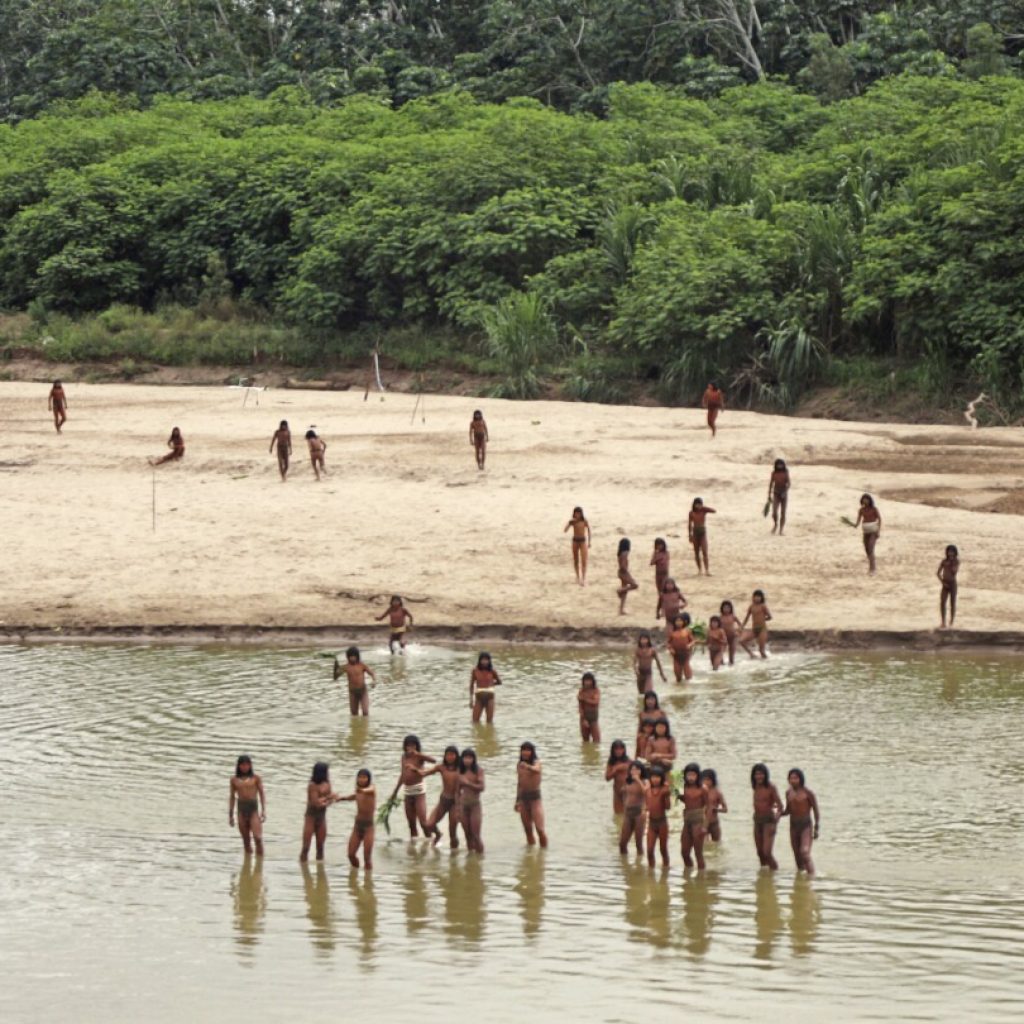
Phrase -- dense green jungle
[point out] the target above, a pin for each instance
(602, 200)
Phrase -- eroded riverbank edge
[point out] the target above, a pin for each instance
(339, 635)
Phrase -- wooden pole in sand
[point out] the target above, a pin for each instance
(153, 471)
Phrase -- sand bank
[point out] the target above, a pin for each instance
(237, 553)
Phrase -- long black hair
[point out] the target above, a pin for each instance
(798, 773)
(450, 749)
(691, 767)
(527, 745)
(243, 759)
(624, 546)
(320, 770)
(759, 767)
(480, 660)
(612, 759)
(710, 773)
(367, 773)
(352, 652)
(414, 740)
(468, 752)
(668, 728)
(657, 706)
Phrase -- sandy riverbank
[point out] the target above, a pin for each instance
(405, 510)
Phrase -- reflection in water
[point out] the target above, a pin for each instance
(414, 888)
(530, 889)
(464, 895)
(485, 740)
(767, 915)
(700, 893)
(591, 755)
(804, 916)
(647, 900)
(952, 675)
(318, 906)
(358, 734)
(360, 887)
(250, 898)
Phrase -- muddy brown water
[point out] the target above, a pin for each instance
(125, 896)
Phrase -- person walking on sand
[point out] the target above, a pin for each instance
(581, 538)
(767, 809)
(714, 401)
(356, 673)
(247, 790)
(660, 561)
(697, 527)
(57, 403)
(283, 440)
(947, 571)
(478, 437)
(869, 519)
(626, 581)
(801, 804)
(529, 804)
(365, 797)
(400, 619)
(177, 445)
(317, 449)
(778, 495)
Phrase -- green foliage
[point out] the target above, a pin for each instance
(521, 336)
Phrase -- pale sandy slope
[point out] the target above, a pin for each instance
(404, 509)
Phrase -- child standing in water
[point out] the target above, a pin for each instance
(528, 804)
(317, 450)
(471, 785)
(658, 799)
(714, 401)
(694, 798)
(482, 681)
(400, 619)
(948, 568)
(645, 657)
(759, 617)
(661, 748)
(650, 713)
(715, 806)
(478, 437)
(869, 519)
(633, 804)
(615, 773)
(672, 603)
(410, 780)
(778, 495)
(319, 796)
(681, 642)
(698, 531)
(801, 804)
(626, 581)
(660, 561)
(733, 634)
(365, 797)
(356, 673)
(177, 445)
(247, 788)
(57, 403)
(581, 538)
(588, 698)
(282, 439)
(717, 642)
(447, 803)
(767, 808)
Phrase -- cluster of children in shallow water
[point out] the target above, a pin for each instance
(643, 786)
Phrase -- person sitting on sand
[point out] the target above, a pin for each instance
(177, 445)
(57, 403)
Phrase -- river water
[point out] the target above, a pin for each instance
(124, 894)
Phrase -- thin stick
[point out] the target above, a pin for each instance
(412, 418)
(154, 500)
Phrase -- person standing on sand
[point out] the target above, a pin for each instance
(626, 581)
(57, 403)
(948, 568)
(869, 519)
(247, 789)
(317, 448)
(714, 401)
(478, 437)
(529, 804)
(365, 797)
(177, 445)
(581, 539)
(697, 526)
(778, 495)
(801, 804)
(660, 561)
(767, 808)
(283, 439)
